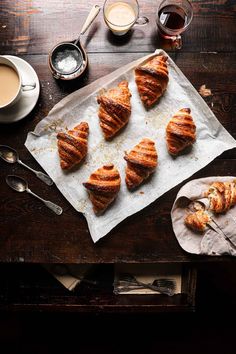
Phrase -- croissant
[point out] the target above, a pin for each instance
(152, 79)
(115, 109)
(222, 195)
(73, 145)
(141, 162)
(180, 131)
(103, 186)
(198, 220)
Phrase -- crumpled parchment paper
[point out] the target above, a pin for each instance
(219, 240)
(212, 140)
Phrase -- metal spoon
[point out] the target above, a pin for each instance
(20, 185)
(10, 155)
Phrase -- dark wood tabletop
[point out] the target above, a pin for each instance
(29, 29)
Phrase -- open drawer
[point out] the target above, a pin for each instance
(31, 287)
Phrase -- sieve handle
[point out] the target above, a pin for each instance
(91, 17)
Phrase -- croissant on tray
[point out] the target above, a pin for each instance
(180, 131)
(73, 145)
(198, 220)
(222, 196)
(141, 162)
(115, 109)
(152, 79)
(103, 186)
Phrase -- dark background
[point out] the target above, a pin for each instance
(211, 329)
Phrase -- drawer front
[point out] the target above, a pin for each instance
(31, 287)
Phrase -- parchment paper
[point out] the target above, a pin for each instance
(212, 140)
(69, 275)
(210, 242)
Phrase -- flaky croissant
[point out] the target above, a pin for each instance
(73, 145)
(103, 186)
(222, 196)
(141, 162)
(152, 79)
(115, 109)
(180, 131)
(198, 220)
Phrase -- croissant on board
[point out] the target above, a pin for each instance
(152, 79)
(115, 109)
(141, 162)
(103, 186)
(222, 195)
(198, 220)
(73, 145)
(180, 131)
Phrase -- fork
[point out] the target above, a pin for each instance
(162, 285)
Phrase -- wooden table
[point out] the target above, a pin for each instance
(32, 233)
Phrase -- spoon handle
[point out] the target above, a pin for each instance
(91, 17)
(45, 178)
(54, 207)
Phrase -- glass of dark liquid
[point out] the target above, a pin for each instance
(173, 18)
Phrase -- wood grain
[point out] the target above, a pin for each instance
(32, 233)
(34, 27)
(29, 231)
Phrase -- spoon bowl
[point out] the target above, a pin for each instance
(20, 185)
(10, 155)
(17, 183)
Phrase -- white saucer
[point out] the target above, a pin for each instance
(28, 99)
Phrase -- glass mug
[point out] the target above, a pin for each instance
(173, 18)
(120, 16)
(11, 86)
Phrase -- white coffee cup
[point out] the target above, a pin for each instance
(5, 85)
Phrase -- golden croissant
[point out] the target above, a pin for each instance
(73, 145)
(180, 131)
(115, 109)
(152, 79)
(141, 162)
(103, 186)
(222, 196)
(198, 220)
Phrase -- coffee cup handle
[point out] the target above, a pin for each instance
(28, 87)
(141, 21)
